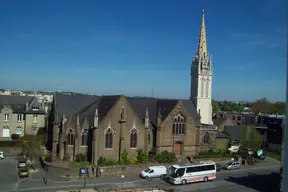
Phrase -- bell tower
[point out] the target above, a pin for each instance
(201, 78)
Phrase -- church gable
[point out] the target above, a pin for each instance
(84, 123)
(70, 124)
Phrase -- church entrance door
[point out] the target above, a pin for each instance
(178, 149)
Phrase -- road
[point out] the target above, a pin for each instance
(9, 174)
(249, 180)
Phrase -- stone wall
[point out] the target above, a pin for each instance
(11, 151)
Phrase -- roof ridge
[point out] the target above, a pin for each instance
(89, 105)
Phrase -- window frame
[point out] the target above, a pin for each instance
(84, 137)
(70, 133)
(108, 145)
(133, 138)
(35, 118)
(206, 138)
(19, 117)
(179, 125)
(6, 117)
(21, 130)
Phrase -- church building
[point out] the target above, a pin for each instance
(105, 126)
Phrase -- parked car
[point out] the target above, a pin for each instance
(22, 163)
(232, 165)
(23, 172)
(218, 167)
(154, 171)
(1, 155)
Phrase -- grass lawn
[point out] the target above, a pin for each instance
(80, 164)
(273, 155)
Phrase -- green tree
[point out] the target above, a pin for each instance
(31, 146)
(250, 138)
(280, 107)
(215, 106)
(263, 106)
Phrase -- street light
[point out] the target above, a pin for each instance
(122, 177)
(46, 173)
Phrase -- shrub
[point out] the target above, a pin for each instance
(153, 151)
(217, 154)
(14, 136)
(111, 162)
(48, 158)
(142, 157)
(124, 157)
(165, 157)
(102, 161)
(133, 160)
(80, 157)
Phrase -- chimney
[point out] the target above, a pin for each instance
(159, 118)
(146, 118)
(78, 120)
(96, 118)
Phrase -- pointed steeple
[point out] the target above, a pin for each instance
(202, 44)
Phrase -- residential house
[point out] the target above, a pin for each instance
(20, 115)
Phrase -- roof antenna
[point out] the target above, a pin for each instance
(60, 90)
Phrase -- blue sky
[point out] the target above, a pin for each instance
(133, 47)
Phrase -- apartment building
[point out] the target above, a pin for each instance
(20, 115)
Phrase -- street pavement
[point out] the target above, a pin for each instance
(9, 174)
(253, 179)
(257, 178)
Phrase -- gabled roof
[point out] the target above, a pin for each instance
(18, 103)
(166, 106)
(221, 134)
(190, 107)
(86, 105)
(70, 104)
(218, 120)
(140, 104)
(234, 131)
(105, 105)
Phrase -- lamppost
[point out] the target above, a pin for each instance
(46, 174)
(122, 177)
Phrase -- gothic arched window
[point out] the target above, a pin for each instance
(70, 137)
(109, 138)
(206, 138)
(178, 126)
(133, 138)
(149, 138)
(84, 137)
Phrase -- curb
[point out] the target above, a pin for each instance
(100, 178)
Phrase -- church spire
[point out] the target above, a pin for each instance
(202, 45)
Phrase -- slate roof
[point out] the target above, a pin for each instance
(166, 106)
(85, 106)
(71, 104)
(221, 134)
(139, 104)
(218, 120)
(234, 131)
(190, 107)
(18, 103)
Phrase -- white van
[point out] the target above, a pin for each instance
(154, 171)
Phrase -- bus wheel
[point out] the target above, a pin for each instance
(184, 182)
(205, 179)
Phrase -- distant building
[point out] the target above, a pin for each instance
(20, 115)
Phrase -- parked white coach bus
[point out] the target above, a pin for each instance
(194, 172)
